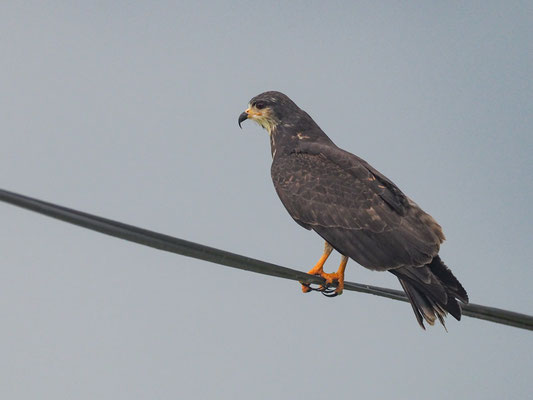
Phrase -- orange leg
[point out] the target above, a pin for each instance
(318, 268)
(337, 276)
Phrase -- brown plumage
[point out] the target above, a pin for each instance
(356, 209)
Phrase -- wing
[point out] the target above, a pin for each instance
(360, 212)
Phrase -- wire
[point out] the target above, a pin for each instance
(206, 253)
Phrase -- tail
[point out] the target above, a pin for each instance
(432, 290)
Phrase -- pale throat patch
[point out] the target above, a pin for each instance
(267, 123)
(264, 118)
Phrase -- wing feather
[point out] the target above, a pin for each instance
(359, 211)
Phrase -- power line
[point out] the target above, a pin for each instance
(206, 253)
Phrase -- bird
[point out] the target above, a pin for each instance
(356, 210)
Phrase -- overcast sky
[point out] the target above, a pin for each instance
(129, 110)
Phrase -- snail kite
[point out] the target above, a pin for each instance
(357, 210)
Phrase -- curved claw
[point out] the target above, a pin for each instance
(322, 289)
(330, 293)
(318, 289)
(306, 288)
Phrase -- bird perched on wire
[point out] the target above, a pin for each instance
(357, 210)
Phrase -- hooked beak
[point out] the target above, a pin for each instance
(243, 117)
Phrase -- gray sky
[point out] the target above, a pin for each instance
(129, 111)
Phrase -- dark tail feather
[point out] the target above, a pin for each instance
(433, 291)
(445, 275)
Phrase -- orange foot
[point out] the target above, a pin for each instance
(334, 278)
(331, 279)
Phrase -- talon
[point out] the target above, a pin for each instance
(326, 289)
(334, 279)
(306, 288)
(331, 294)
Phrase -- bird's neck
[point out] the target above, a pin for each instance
(289, 138)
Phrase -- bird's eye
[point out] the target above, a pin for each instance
(259, 105)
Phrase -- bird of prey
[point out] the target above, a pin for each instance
(358, 211)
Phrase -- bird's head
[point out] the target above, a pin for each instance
(269, 109)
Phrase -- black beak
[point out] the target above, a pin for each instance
(243, 117)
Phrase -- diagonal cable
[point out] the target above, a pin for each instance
(206, 253)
